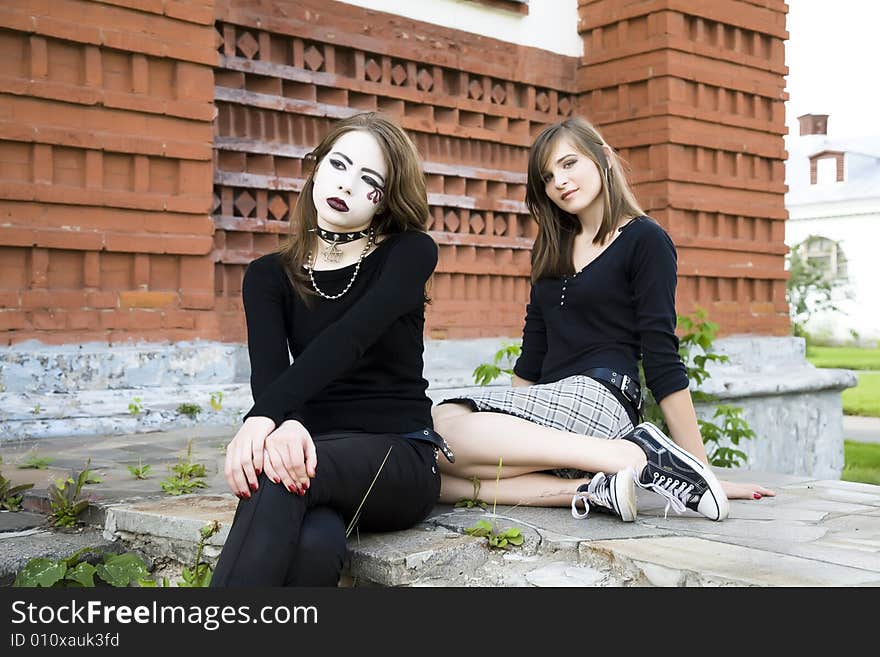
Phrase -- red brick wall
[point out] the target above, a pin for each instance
(106, 157)
(105, 170)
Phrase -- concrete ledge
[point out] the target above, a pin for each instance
(815, 533)
(794, 408)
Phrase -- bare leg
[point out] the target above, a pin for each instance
(524, 490)
(480, 439)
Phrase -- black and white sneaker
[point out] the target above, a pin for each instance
(610, 494)
(677, 475)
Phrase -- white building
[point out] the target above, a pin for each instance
(833, 204)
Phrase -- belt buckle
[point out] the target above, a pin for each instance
(638, 400)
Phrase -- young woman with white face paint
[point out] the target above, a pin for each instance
(602, 298)
(343, 436)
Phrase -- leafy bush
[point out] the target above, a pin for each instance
(808, 290)
(485, 373)
(126, 569)
(74, 571)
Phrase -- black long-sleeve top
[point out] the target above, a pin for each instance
(617, 309)
(357, 360)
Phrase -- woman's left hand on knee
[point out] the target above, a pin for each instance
(290, 456)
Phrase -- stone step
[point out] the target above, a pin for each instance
(814, 533)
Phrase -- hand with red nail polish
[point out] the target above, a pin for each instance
(745, 491)
(244, 454)
(290, 455)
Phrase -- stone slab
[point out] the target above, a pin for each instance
(687, 561)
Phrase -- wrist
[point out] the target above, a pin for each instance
(260, 422)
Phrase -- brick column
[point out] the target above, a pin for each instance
(692, 93)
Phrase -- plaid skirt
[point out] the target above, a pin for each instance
(577, 404)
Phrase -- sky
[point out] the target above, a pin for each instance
(832, 56)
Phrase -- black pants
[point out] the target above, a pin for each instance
(280, 538)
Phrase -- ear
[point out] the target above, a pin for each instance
(609, 152)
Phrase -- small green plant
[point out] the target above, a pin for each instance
(35, 462)
(217, 400)
(65, 500)
(503, 539)
(76, 572)
(503, 362)
(11, 496)
(185, 475)
(139, 471)
(499, 540)
(190, 410)
(135, 408)
(468, 502)
(92, 477)
(199, 576)
(37, 409)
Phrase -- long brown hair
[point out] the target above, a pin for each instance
(552, 252)
(405, 203)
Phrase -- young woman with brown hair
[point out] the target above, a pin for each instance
(343, 434)
(602, 298)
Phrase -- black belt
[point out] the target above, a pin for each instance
(630, 388)
(435, 439)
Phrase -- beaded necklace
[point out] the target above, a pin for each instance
(357, 268)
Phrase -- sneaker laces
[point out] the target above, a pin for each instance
(597, 493)
(674, 490)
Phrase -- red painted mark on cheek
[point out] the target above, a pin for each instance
(375, 196)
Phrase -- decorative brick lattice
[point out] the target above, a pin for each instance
(472, 128)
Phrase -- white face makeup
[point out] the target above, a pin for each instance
(349, 183)
(571, 179)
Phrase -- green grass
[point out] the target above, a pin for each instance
(864, 399)
(862, 462)
(850, 358)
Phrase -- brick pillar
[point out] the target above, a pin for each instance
(691, 93)
(105, 171)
